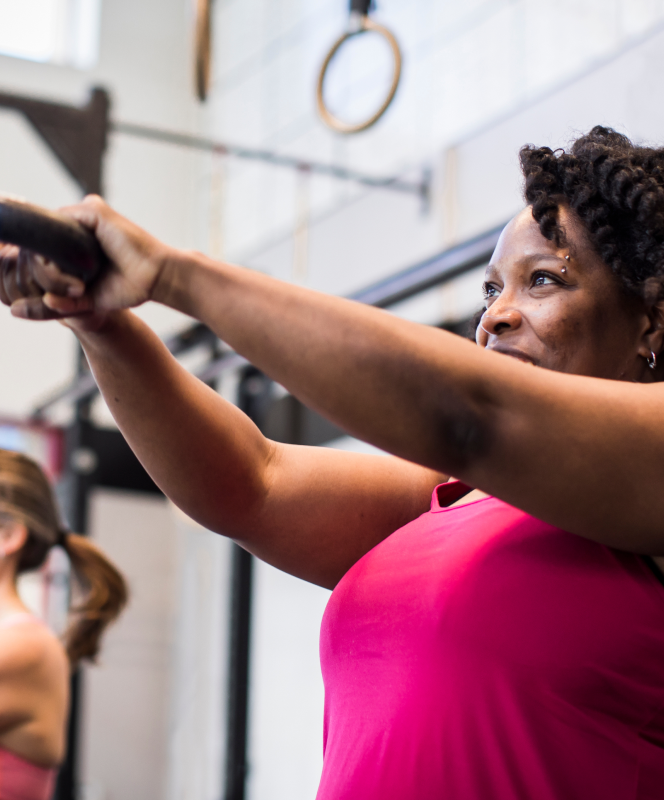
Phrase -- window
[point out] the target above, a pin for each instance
(55, 31)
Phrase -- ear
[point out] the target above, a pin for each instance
(652, 340)
(13, 536)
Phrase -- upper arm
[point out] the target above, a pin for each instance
(323, 509)
(31, 660)
(584, 454)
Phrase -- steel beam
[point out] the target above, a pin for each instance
(76, 135)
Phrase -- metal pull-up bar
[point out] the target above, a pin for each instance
(77, 136)
(419, 188)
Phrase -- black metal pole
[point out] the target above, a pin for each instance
(238, 673)
(254, 396)
(80, 463)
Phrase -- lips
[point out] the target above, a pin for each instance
(514, 353)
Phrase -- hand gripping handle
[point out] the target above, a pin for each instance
(69, 244)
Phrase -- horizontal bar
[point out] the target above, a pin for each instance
(393, 183)
(434, 271)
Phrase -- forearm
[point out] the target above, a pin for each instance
(203, 452)
(406, 388)
(543, 441)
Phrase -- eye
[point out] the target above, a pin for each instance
(489, 291)
(544, 279)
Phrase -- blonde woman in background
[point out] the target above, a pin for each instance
(34, 664)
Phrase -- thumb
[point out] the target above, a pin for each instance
(68, 306)
(88, 212)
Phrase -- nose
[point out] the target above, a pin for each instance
(497, 319)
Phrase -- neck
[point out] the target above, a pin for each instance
(9, 597)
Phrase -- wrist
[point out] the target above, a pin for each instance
(164, 264)
(98, 328)
(178, 284)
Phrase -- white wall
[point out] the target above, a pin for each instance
(286, 701)
(144, 61)
(126, 698)
(465, 66)
(621, 92)
(199, 659)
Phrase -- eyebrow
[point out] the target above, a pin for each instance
(542, 257)
(531, 258)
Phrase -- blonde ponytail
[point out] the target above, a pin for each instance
(104, 595)
(26, 496)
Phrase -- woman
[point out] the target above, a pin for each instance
(34, 664)
(504, 642)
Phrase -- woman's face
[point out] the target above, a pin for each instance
(568, 315)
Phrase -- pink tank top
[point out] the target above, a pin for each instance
(23, 780)
(20, 779)
(480, 654)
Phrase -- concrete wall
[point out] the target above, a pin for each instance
(466, 65)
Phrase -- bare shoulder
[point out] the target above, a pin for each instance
(30, 648)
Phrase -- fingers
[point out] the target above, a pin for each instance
(32, 308)
(25, 274)
(10, 290)
(51, 306)
(48, 278)
(24, 279)
(68, 306)
(8, 256)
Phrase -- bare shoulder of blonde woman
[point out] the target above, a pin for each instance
(34, 692)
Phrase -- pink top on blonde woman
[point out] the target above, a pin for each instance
(20, 779)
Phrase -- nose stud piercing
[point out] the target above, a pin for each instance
(564, 269)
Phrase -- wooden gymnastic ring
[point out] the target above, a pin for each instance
(366, 24)
(203, 48)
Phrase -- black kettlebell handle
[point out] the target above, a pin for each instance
(69, 244)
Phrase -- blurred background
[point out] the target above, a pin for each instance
(209, 687)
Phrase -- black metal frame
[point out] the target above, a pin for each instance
(77, 138)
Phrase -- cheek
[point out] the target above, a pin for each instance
(555, 323)
(581, 336)
(564, 330)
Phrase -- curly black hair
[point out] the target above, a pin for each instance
(616, 189)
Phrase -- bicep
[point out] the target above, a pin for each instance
(23, 655)
(324, 509)
(583, 454)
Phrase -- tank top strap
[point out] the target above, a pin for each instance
(447, 493)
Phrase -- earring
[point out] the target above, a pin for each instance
(651, 361)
